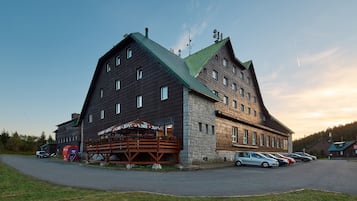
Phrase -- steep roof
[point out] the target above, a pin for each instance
(171, 61)
(340, 146)
(196, 61)
(175, 64)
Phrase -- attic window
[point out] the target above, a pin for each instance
(139, 74)
(117, 61)
(234, 70)
(108, 67)
(215, 75)
(242, 75)
(225, 62)
(129, 53)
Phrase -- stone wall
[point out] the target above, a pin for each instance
(199, 141)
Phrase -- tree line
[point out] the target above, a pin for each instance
(16, 142)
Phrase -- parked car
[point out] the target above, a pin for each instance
(281, 161)
(306, 154)
(298, 157)
(254, 158)
(290, 160)
(42, 154)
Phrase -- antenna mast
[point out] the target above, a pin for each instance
(189, 42)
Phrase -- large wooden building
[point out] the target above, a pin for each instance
(209, 100)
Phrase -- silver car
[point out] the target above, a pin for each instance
(254, 158)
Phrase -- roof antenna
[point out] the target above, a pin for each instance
(217, 35)
(189, 43)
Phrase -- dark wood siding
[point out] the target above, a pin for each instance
(155, 76)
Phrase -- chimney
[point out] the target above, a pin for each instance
(75, 115)
(146, 32)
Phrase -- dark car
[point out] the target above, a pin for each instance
(306, 154)
(298, 157)
(281, 161)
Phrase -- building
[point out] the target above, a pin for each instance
(209, 100)
(68, 133)
(343, 149)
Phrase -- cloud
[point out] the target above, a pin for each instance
(319, 95)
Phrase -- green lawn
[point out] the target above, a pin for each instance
(16, 186)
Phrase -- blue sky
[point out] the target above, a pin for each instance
(304, 53)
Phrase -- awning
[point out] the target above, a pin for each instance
(135, 124)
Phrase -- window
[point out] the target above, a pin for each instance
(90, 118)
(225, 81)
(234, 86)
(108, 67)
(225, 62)
(139, 101)
(254, 138)
(248, 96)
(200, 126)
(254, 99)
(255, 113)
(102, 114)
(213, 130)
(139, 74)
(215, 75)
(241, 75)
(101, 93)
(248, 111)
(206, 128)
(267, 140)
(215, 92)
(248, 80)
(234, 70)
(273, 142)
(245, 136)
(242, 107)
(164, 93)
(234, 134)
(117, 61)
(234, 104)
(129, 53)
(225, 100)
(117, 85)
(261, 139)
(241, 92)
(117, 108)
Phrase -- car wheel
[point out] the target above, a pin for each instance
(238, 163)
(265, 164)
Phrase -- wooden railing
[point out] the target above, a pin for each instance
(136, 151)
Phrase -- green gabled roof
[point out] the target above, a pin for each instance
(175, 64)
(196, 61)
(247, 64)
(340, 146)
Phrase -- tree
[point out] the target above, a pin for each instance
(50, 139)
(42, 140)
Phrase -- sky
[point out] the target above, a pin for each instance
(304, 53)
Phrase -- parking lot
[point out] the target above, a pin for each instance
(329, 175)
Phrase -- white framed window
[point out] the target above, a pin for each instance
(267, 141)
(107, 66)
(117, 108)
(234, 134)
(139, 101)
(225, 81)
(129, 53)
(273, 142)
(139, 74)
(102, 114)
(101, 93)
(164, 93)
(261, 139)
(90, 118)
(215, 75)
(254, 138)
(225, 100)
(224, 62)
(117, 60)
(234, 86)
(234, 104)
(245, 136)
(241, 92)
(117, 85)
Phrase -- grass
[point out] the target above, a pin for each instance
(16, 186)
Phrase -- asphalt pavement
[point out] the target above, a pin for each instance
(328, 175)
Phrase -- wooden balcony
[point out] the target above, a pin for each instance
(135, 151)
